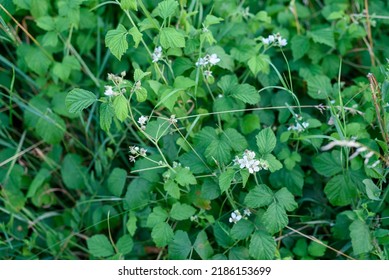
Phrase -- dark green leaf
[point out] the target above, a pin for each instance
(180, 247)
(262, 246)
(99, 246)
(162, 234)
(259, 196)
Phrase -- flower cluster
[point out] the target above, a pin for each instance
(248, 161)
(157, 54)
(299, 127)
(275, 39)
(208, 60)
(142, 121)
(236, 216)
(117, 80)
(135, 152)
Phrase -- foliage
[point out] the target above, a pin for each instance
(194, 129)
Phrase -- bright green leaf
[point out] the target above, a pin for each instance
(125, 244)
(162, 234)
(275, 218)
(246, 93)
(120, 106)
(266, 141)
(116, 181)
(116, 41)
(99, 246)
(181, 212)
(171, 38)
(225, 179)
(259, 196)
(340, 190)
(286, 199)
(360, 237)
(79, 99)
(202, 246)
(242, 229)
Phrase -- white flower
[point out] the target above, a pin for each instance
(157, 54)
(202, 62)
(249, 162)
(207, 73)
(143, 120)
(109, 91)
(134, 150)
(143, 152)
(271, 38)
(247, 212)
(282, 42)
(299, 127)
(213, 59)
(173, 119)
(235, 217)
(265, 41)
(194, 218)
(131, 158)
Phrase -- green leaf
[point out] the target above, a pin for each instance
(63, 70)
(218, 150)
(222, 235)
(171, 38)
(128, 5)
(34, 58)
(372, 191)
(141, 94)
(116, 181)
(162, 234)
(99, 246)
(172, 189)
(259, 196)
(182, 212)
(301, 248)
(275, 218)
(139, 74)
(125, 244)
(47, 23)
(158, 215)
(246, 93)
(78, 99)
(360, 237)
(42, 176)
(340, 190)
(51, 128)
(300, 46)
(242, 229)
(184, 177)
(136, 36)
(266, 141)
(106, 114)
(319, 87)
(262, 246)
(225, 179)
(120, 106)
(50, 39)
(166, 8)
(250, 123)
(180, 247)
(328, 164)
(286, 199)
(274, 164)
(131, 223)
(212, 20)
(182, 82)
(202, 246)
(73, 173)
(316, 249)
(259, 63)
(138, 194)
(236, 140)
(293, 180)
(116, 41)
(323, 36)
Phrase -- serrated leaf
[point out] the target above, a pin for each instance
(225, 179)
(274, 164)
(136, 36)
(162, 234)
(125, 244)
(360, 237)
(340, 190)
(182, 212)
(275, 218)
(236, 140)
(158, 215)
(259, 63)
(202, 246)
(222, 236)
(262, 246)
(328, 164)
(323, 36)
(319, 87)
(286, 199)
(141, 94)
(51, 128)
(38, 61)
(171, 38)
(266, 141)
(138, 194)
(116, 181)
(184, 177)
(120, 106)
(180, 247)
(99, 246)
(78, 99)
(106, 114)
(372, 191)
(172, 189)
(242, 229)
(316, 249)
(300, 46)
(218, 150)
(259, 196)
(246, 93)
(167, 8)
(211, 20)
(116, 41)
